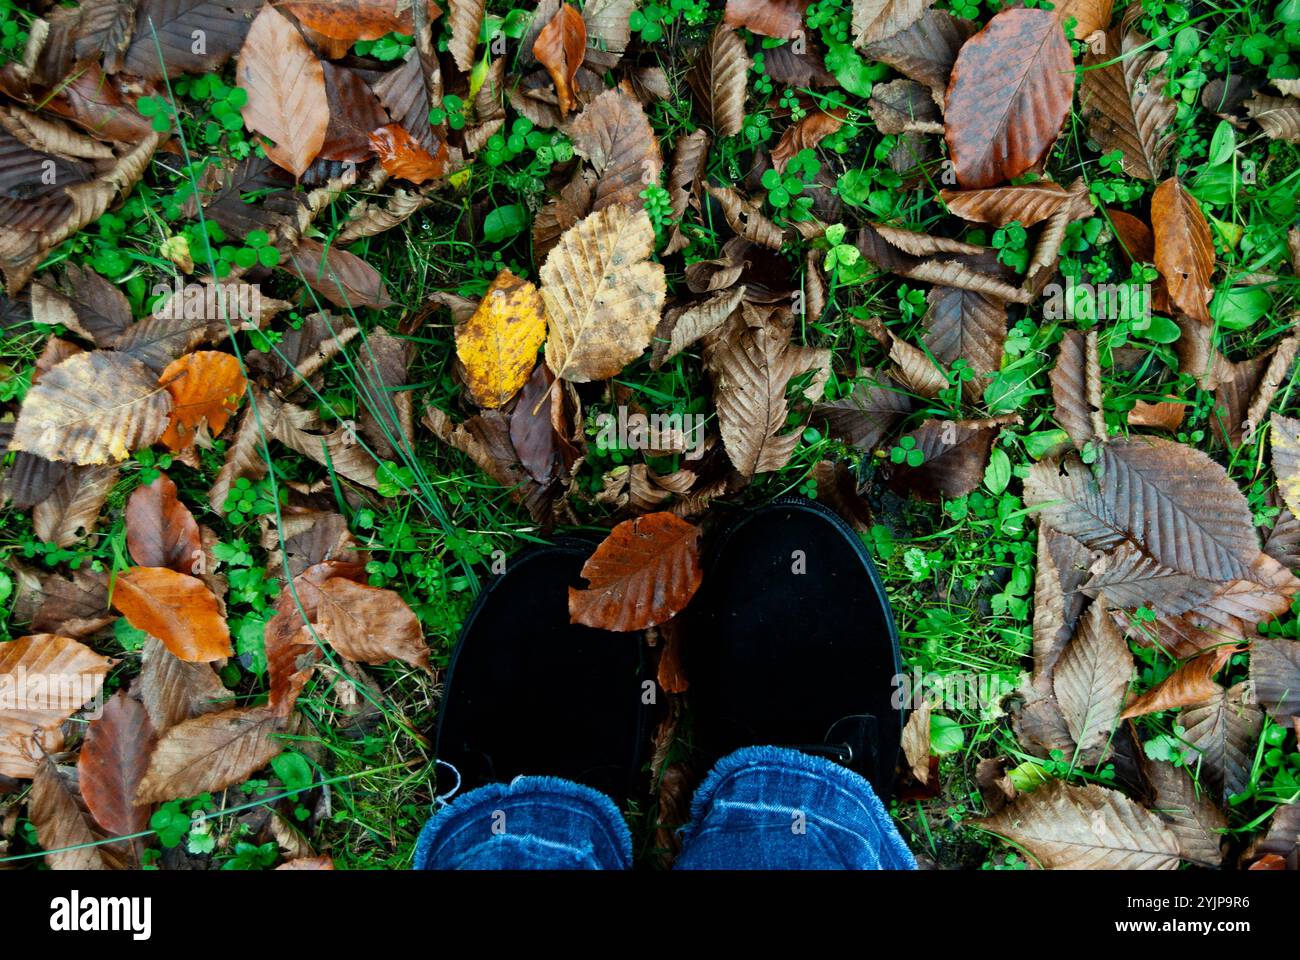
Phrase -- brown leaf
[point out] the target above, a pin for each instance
(689, 159)
(560, 48)
(902, 106)
(91, 408)
(113, 761)
(615, 137)
(76, 607)
(205, 388)
(746, 217)
(684, 326)
(926, 50)
(174, 691)
(806, 134)
(1184, 249)
(1028, 204)
(719, 80)
(868, 414)
(1191, 683)
(1275, 669)
(28, 666)
(287, 102)
(1126, 109)
(369, 624)
(466, 22)
(71, 511)
(964, 325)
(1221, 732)
(60, 822)
(1076, 389)
(1278, 117)
(211, 752)
(224, 23)
(342, 278)
(603, 296)
(1174, 500)
(1091, 681)
(643, 573)
(1086, 828)
(992, 136)
(402, 156)
(354, 112)
(769, 18)
(751, 363)
(354, 20)
(875, 20)
(1058, 603)
(916, 742)
(1194, 819)
(1165, 415)
(160, 530)
(956, 453)
(367, 219)
(176, 608)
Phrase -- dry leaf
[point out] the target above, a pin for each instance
(642, 574)
(560, 48)
(205, 388)
(1184, 249)
(113, 761)
(176, 608)
(211, 752)
(369, 624)
(603, 297)
(719, 80)
(1125, 103)
(160, 530)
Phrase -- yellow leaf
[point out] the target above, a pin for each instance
(498, 345)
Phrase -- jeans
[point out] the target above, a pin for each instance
(766, 808)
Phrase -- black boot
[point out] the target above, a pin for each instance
(791, 643)
(530, 693)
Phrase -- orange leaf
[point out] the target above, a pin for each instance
(177, 609)
(645, 572)
(1184, 249)
(160, 530)
(204, 386)
(1191, 683)
(402, 156)
(353, 20)
(560, 48)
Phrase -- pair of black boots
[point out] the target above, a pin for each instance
(788, 642)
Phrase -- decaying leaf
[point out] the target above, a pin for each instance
(205, 388)
(1010, 92)
(1086, 828)
(1124, 101)
(1184, 249)
(62, 826)
(1091, 680)
(160, 530)
(1029, 204)
(176, 608)
(615, 137)
(642, 574)
(560, 48)
(92, 408)
(1221, 732)
(113, 761)
(211, 752)
(719, 81)
(287, 102)
(603, 297)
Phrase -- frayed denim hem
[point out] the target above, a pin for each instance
(759, 803)
(537, 822)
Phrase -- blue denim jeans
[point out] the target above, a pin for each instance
(765, 808)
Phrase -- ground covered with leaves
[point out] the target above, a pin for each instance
(315, 313)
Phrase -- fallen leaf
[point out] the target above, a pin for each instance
(164, 39)
(1125, 104)
(113, 761)
(1029, 204)
(369, 624)
(642, 574)
(916, 742)
(403, 158)
(718, 79)
(70, 512)
(176, 608)
(615, 137)
(92, 408)
(211, 752)
(354, 20)
(926, 50)
(875, 20)
(466, 18)
(160, 530)
(287, 102)
(341, 277)
(1091, 680)
(1184, 249)
(1193, 817)
(1191, 683)
(1067, 827)
(806, 134)
(205, 388)
(1010, 92)
(1076, 389)
(603, 297)
(1221, 732)
(27, 666)
(173, 690)
(560, 48)
(769, 18)
(1275, 670)
(61, 824)
(1278, 117)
